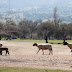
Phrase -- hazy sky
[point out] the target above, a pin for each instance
(25, 3)
(31, 3)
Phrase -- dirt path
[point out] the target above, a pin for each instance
(23, 54)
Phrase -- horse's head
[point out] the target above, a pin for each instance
(35, 44)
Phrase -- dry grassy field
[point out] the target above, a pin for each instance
(23, 54)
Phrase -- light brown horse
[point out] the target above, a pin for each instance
(44, 47)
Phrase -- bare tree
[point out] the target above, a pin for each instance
(56, 19)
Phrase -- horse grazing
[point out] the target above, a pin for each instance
(4, 49)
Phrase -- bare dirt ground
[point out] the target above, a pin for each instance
(23, 54)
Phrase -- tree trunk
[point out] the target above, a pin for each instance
(0, 37)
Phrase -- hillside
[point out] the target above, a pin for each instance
(37, 9)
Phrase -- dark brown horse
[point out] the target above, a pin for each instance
(4, 49)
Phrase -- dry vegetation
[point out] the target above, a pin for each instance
(23, 54)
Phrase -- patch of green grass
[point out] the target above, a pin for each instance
(11, 69)
(27, 40)
(38, 41)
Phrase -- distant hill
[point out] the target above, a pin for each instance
(38, 9)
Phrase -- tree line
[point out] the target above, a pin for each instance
(26, 29)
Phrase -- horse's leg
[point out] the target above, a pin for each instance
(38, 51)
(71, 50)
(43, 52)
(6, 52)
(0, 52)
(49, 52)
